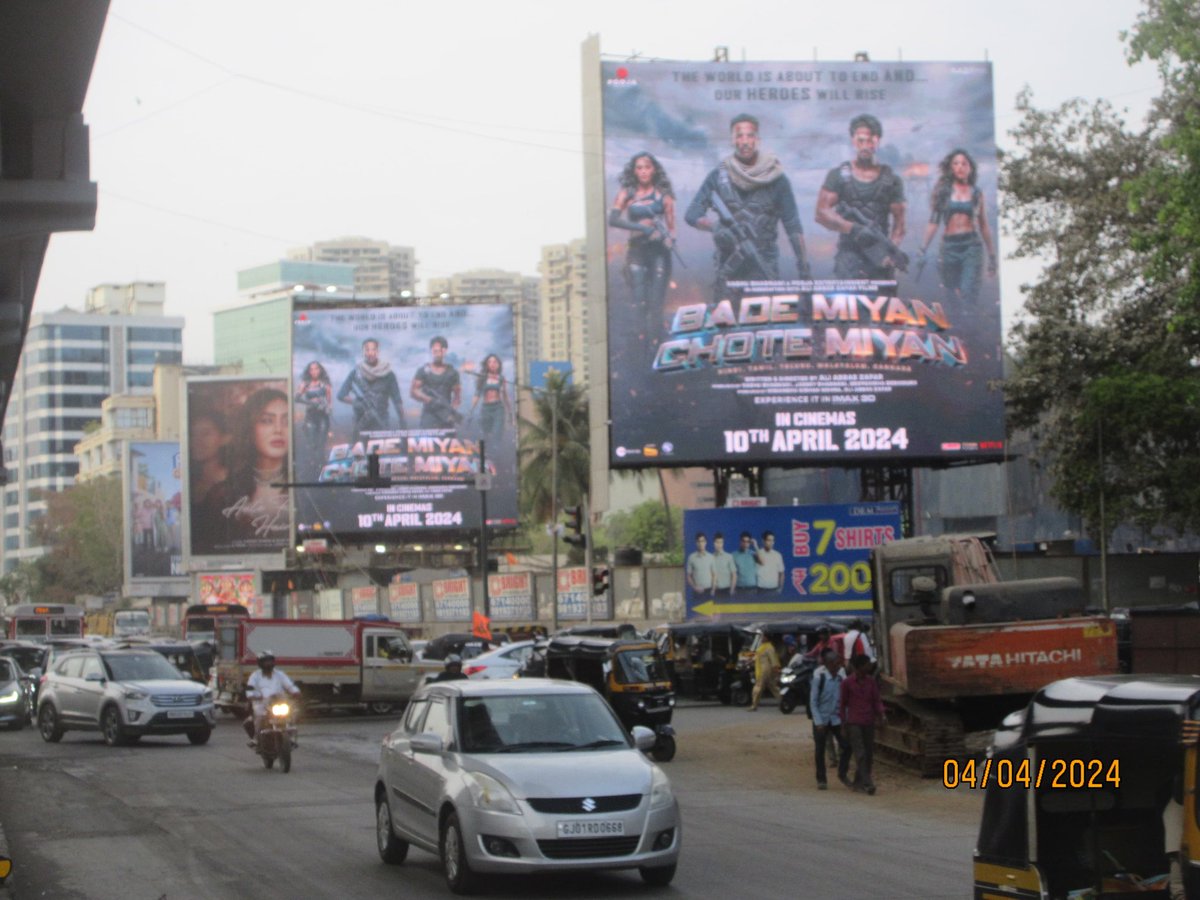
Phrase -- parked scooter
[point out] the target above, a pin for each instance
(276, 738)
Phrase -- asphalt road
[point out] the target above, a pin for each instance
(165, 820)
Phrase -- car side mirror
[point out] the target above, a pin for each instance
(427, 743)
(643, 738)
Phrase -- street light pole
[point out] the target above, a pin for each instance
(554, 508)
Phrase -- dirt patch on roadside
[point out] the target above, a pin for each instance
(774, 752)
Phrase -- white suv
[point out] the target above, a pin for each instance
(124, 694)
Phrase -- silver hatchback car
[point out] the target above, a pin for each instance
(523, 775)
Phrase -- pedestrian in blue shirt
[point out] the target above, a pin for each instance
(825, 707)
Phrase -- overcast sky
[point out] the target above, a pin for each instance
(225, 131)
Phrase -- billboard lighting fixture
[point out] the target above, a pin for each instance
(379, 548)
(331, 289)
(297, 288)
(418, 547)
(458, 546)
(443, 296)
(862, 56)
(299, 548)
(406, 294)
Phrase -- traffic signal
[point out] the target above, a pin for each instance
(599, 581)
(575, 536)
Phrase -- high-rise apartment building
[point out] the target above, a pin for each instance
(564, 318)
(380, 268)
(70, 363)
(498, 286)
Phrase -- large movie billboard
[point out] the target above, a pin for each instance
(155, 496)
(237, 458)
(420, 386)
(801, 262)
(794, 560)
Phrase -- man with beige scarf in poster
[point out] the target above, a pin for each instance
(750, 197)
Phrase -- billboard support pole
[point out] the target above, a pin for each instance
(483, 535)
(587, 552)
(890, 483)
(554, 509)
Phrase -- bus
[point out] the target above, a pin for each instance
(200, 620)
(42, 622)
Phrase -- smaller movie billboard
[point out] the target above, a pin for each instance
(510, 596)
(452, 599)
(237, 464)
(419, 388)
(155, 495)
(784, 560)
(404, 601)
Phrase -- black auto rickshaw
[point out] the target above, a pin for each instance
(631, 676)
(704, 657)
(1091, 792)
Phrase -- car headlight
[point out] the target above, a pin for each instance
(11, 697)
(660, 790)
(206, 697)
(488, 793)
(135, 695)
(280, 709)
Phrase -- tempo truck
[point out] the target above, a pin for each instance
(335, 663)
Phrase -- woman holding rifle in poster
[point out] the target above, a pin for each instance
(316, 395)
(957, 205)
(645, 205)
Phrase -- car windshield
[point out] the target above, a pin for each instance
(637, 666)
(27, 658)
(141, 667)
(537, 723)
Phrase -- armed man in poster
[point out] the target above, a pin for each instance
(371, 387)
(857, 200)
(750, 197)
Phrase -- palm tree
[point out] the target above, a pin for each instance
(567, 404)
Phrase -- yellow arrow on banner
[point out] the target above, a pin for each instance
(713, 608)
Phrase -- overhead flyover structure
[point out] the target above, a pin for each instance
(47, 49)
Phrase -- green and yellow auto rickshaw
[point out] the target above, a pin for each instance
(1090, 792)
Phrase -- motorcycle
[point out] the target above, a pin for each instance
(795, 682)
(276, 736)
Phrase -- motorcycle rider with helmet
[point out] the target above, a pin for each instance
(264, 684)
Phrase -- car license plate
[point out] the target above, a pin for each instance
(583, 828)
(179, 714)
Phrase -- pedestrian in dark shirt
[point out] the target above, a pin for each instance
(862, 709)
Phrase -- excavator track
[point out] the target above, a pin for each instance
(921, 736)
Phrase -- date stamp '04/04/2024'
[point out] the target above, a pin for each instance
(1053, 774)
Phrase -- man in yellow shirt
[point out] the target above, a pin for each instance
(766, 664)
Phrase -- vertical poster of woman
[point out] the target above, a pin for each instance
(238, 449)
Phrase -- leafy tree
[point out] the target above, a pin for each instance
(1106, 377)
(540, 445)
(83, 530)
(646, 527)
(23, 584)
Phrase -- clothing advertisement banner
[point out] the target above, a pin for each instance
(419, 386)
(237, 462)
(794, 560)
(511, 596)
(801, 262)
(452, 600)
(404, 601)
(153, 483)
